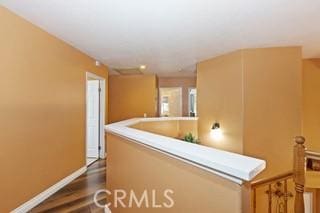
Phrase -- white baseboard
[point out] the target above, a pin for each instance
(27, 206)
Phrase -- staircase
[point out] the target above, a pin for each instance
(285, 193)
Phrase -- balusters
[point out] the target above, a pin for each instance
(286, 195)
(254, 200)
(269, 199)
(298, 176)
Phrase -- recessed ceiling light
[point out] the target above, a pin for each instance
(143, 67)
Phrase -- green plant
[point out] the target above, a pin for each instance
(190, 138)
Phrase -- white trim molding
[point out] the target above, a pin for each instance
(103, 105)
(27, 206)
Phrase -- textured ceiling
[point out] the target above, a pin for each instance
(173, 35)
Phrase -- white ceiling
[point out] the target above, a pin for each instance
(173, 35)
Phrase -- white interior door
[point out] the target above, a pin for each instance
(93, 104)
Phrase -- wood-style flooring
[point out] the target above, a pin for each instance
(78, 195)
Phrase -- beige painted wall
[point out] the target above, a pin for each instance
(272, 105)
(195, 190)
(219, 84)
(42, 109)
(174, 129)
(311, 103)
(166, 128)
(186, 127)
(255, 94)
(185, 83)
(132, 96)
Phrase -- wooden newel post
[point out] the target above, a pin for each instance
(299, 173)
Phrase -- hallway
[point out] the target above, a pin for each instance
(78, 195)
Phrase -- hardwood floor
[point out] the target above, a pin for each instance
(78, 195)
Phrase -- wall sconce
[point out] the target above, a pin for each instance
(216, 132)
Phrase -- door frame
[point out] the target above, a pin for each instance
(102, 108)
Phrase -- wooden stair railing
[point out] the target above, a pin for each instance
(298, 176)
(312, 155)
(299, 173)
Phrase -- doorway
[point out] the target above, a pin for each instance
(192, 102)
(95, 118)
(170, 102)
